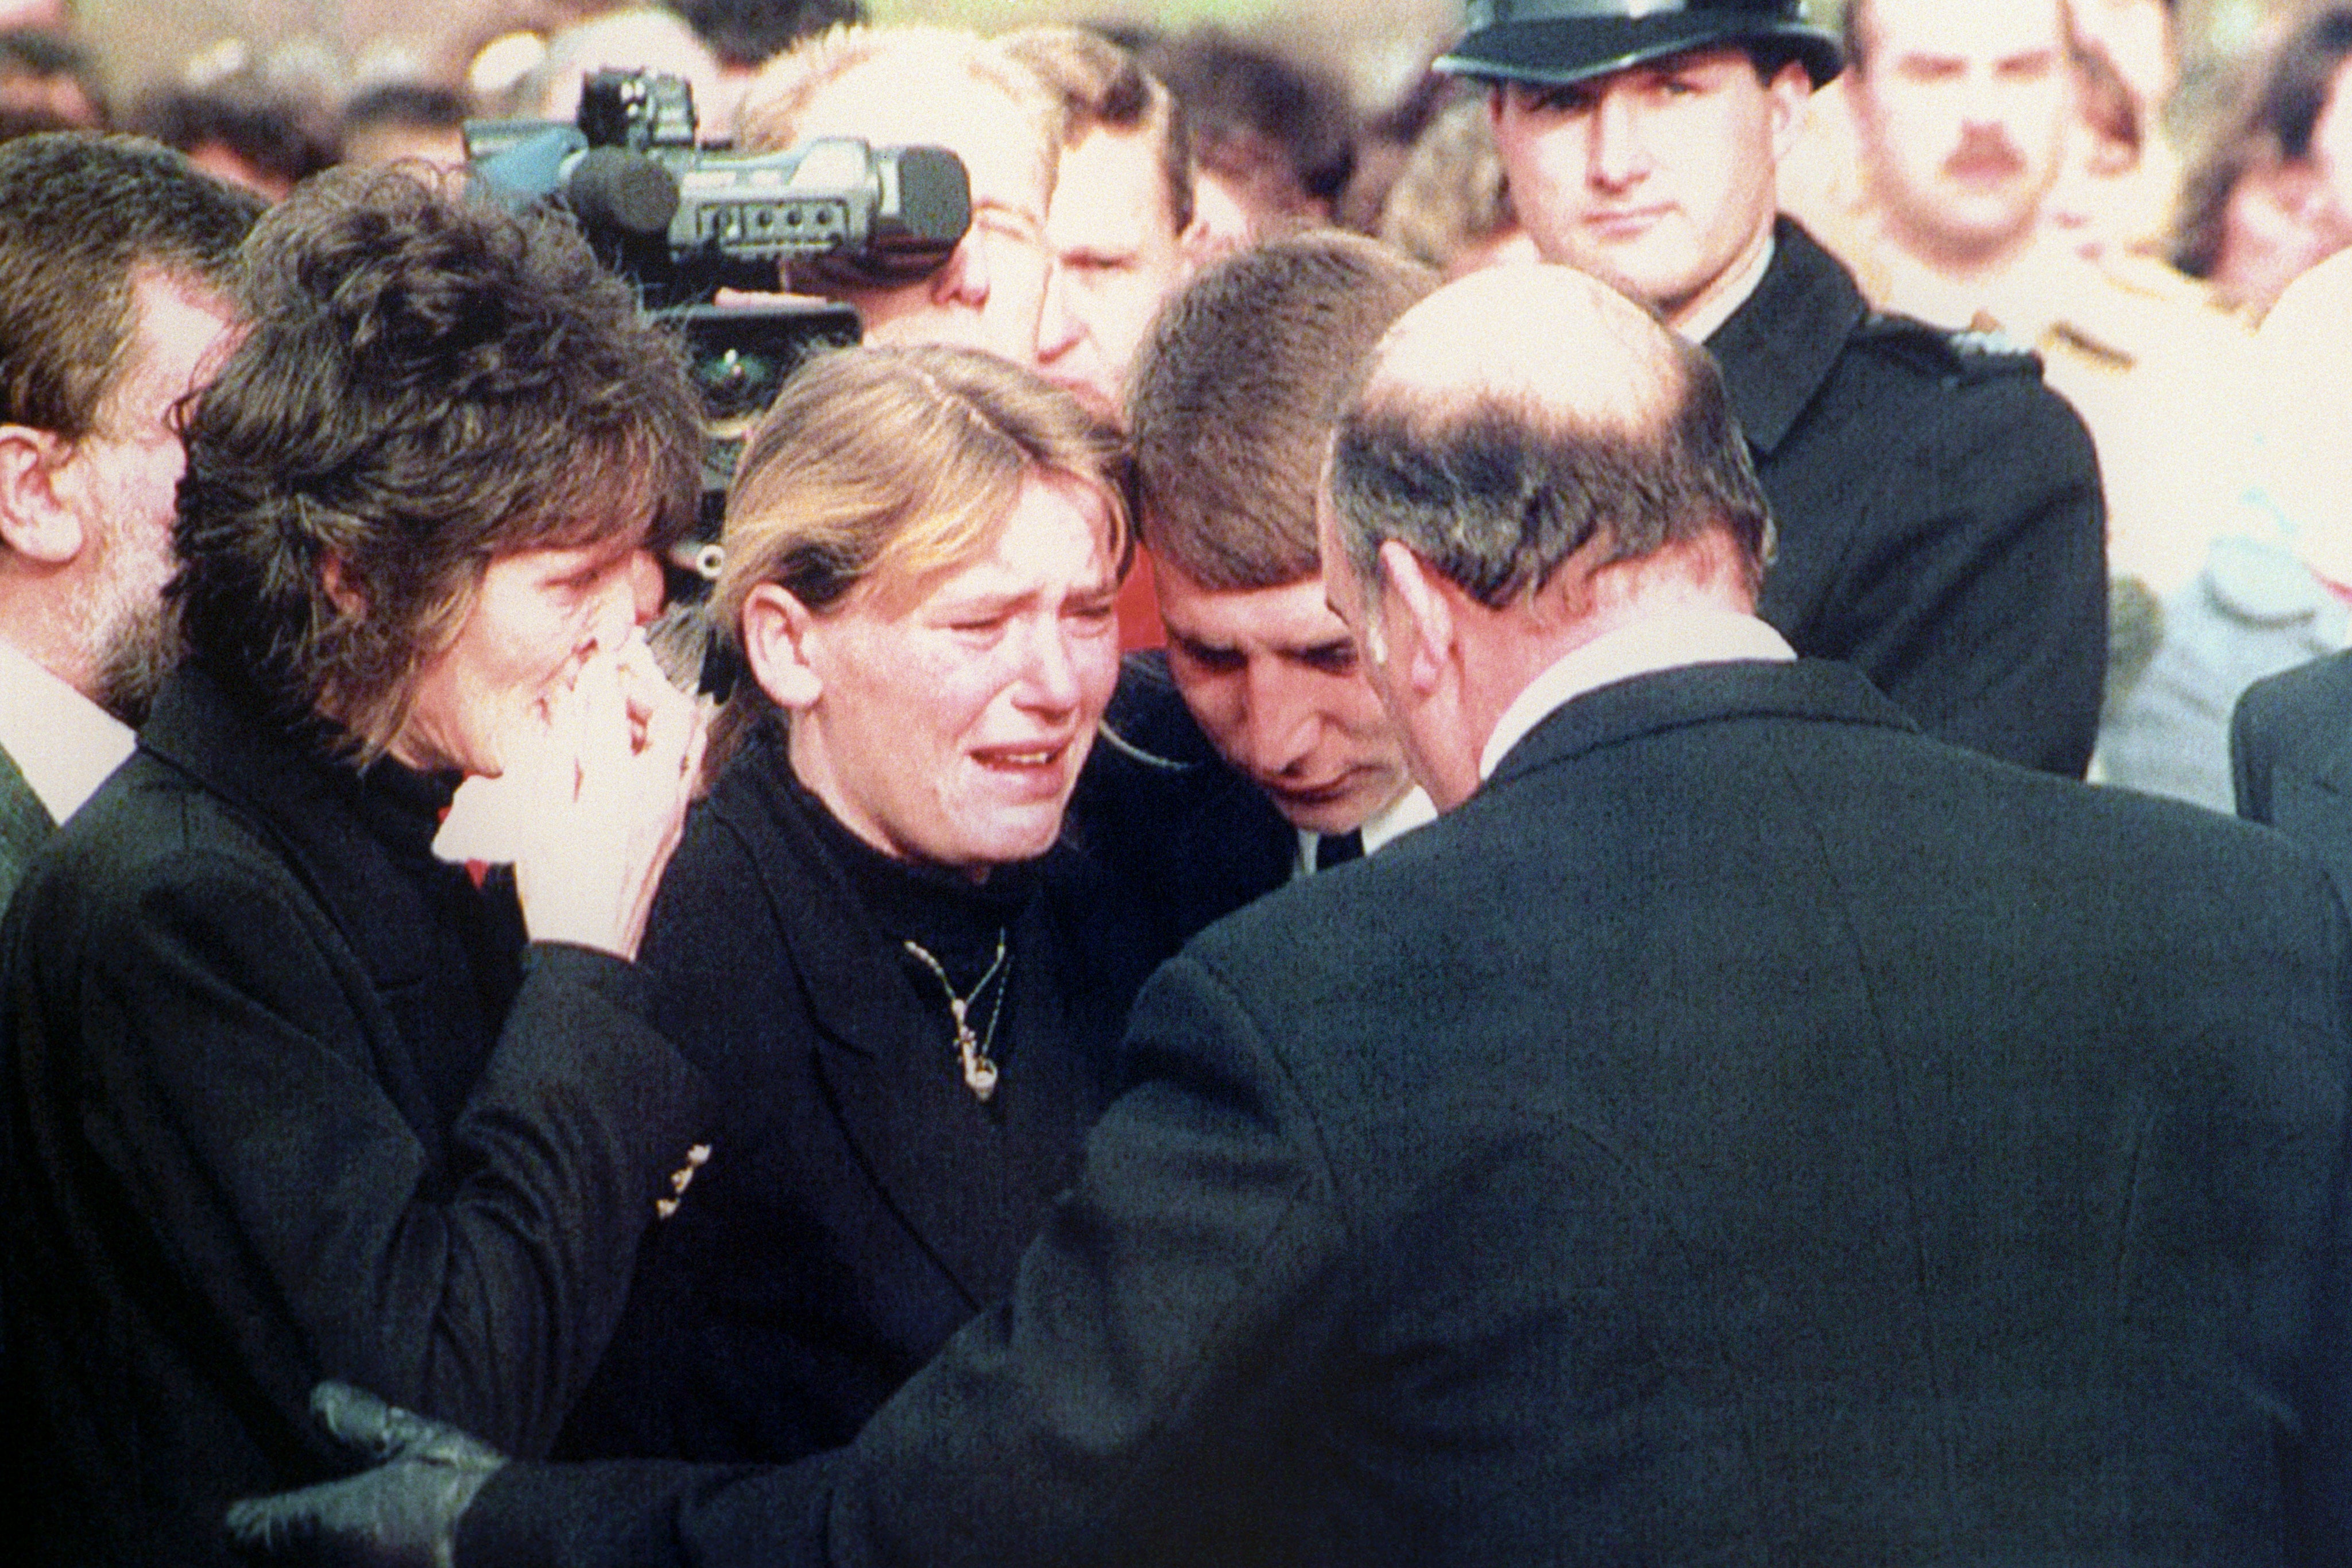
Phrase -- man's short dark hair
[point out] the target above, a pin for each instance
(1234, 394)
(421, 105)
(268, 133)
(428, 381)
(1253, 112)
(1496, 495)
(1105, 87)
(80, 215)
(748, 33)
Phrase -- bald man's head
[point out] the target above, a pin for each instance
(1517, 416)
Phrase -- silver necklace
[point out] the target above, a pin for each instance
(979, 1067)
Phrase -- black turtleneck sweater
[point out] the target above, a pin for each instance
(860, 1203)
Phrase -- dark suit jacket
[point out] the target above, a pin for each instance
(24, 826)
(2291, 756)
(1941, 522)
(1745, 1132)
(286, 1101)
(1185, 839)
(859, 1204)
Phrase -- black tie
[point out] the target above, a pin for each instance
(1338, 849)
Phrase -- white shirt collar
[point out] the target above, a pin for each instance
(64, 744)
(1704, 322)
(1654, 642)
(1393, 821)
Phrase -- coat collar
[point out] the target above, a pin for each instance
(1814, 689)
(1780, 347)
(883, 1048)
(25, 822)
(360, 842)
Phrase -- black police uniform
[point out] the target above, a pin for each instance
(1940, 514)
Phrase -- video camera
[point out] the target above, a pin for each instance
(683, 219)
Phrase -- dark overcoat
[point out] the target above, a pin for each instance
(2290, 758)
(859, 1203)
(1745, 1132)
(1941, 522)
(288, 1100)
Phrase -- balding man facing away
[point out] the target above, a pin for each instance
(1741, 1130)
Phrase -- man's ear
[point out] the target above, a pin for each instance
(1419, 620)
(775, 628)
(1790, 91)
(37, 521)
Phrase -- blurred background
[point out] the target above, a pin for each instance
(1375, 46)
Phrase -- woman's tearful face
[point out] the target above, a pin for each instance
(956, 710)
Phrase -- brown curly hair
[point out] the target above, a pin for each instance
(429, 381)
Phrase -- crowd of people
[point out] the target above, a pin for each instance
(1422, 838)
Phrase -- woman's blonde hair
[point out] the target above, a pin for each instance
(886, 464)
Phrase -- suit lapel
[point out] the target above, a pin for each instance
(886, 1053)
(24, 823)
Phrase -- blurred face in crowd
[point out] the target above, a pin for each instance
(989, 293)
(944, 720)
(1962, 111)
(121, 480)
(1658, 179)
(2331, 151)
(1270, 676)
(537, 616)
(1118, 255)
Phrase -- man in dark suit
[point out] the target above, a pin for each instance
(114, 257)
(1941, 525)
(1254, 751)
(2291, 755)
(1740, 1129)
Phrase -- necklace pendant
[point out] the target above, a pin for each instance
(979, 1071)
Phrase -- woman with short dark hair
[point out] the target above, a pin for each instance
(289, 1097)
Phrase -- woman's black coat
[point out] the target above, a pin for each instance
(288, 1100)
(859, 1204)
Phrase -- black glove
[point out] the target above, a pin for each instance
(403, 1513)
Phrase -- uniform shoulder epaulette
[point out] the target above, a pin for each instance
(1971, 354)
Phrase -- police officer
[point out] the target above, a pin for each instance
(1939, 513)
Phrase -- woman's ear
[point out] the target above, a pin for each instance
(775, 628)
(341, 592)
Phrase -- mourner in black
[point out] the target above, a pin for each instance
(1250, 751)
(1740, 1129)
(906, 991)
(285, 1097)
(1938, 513)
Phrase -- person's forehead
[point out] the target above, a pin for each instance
(1002, 147)
(1976, 29)
(1111, 192)
(1286, 618)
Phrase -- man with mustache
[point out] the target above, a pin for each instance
(1939, 510)
(1962, 115)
